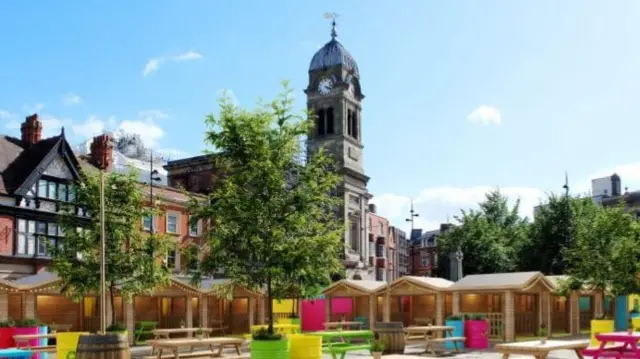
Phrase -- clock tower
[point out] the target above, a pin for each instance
(335, 97)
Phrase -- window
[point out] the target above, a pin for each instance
(354, 126)
(53, 190)
(424, 259)
(56, 191)
(172, 223)
(194, 228)
(349, 130)
(379, 274)
(62, 192)
(147, 222)
(35, 236)
(320, 123)
(42, 188)
(380, 250)
(330, 120)
(193, 259)
(171, 259)
(353, 234)
(380, 228)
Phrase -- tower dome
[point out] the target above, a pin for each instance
(334, 54)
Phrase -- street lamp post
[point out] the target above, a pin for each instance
(412, 215)
(153, 177)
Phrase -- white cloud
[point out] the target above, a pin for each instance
(93, 126)
(154, 63)
(71, 99)
(153, 114)
(149, 131)
(6, 115)
(438, 204)
(51, 126)
(33, 109)
(485, 115)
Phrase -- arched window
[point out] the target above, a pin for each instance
(349, 115)
(354, 126)
(329, 120)
(320, 122)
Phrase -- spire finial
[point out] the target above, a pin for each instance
(332, 16)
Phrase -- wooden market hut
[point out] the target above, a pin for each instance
(514, 303)
(425, 299)
(10, 300)
(364, 295)
(574, 312)
(245, 308)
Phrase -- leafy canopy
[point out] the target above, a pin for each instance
(132, 258)
(274, 224)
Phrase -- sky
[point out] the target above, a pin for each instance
(461, 96)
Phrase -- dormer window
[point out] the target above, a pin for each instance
(55, 191)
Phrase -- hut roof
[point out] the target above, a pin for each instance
(522, 281)
(412, 285)
(354, 288)
(558, 279)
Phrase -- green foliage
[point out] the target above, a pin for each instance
(265, 334)
(116, 328)
(490, 238)
(543, 331)
(606, 253)
(199, 331)
(553, 232)
(27, 323)
(132, 257)
(276, 226)
(9, 323)
(475, 316)
(455, 317)
(377, 346)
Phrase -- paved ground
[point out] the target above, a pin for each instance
(412, 352)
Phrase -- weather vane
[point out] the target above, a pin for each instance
(332, 16)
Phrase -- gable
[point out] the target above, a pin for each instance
(59, 168)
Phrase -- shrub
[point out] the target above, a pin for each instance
(477, 316)
(455, 317)
(542, 332)
(116, 328)
(377, 346)
(27, 323)
(263, 334)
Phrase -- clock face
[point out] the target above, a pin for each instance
(325, 85)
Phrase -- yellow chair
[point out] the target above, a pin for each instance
(67, 343)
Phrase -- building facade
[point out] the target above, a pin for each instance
(379, 239)
(403, 251)
(36, 177)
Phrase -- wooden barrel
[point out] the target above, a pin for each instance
(103, 346)
(392, 335)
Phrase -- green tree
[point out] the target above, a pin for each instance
(274, 220)
(132, 260)
(606, 252)
(553, 231)
(490, 238)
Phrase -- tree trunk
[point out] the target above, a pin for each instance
(269, 306)
(112, 297)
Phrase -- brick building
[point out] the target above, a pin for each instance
(36, 178)
(424, 251)
(381, 250)
(403, 251)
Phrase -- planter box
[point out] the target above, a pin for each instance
(6, 338)
(458, 331)
(477, 334)
(600, 326)
(305, 346)
(34, 342)
(270, 349)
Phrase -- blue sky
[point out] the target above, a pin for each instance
(563, 76)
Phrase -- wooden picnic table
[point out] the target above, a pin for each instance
(426, 335)
(539, 350)
(615, 345)
(215, 346)
(336, 325)
(344, 345)
(24, 341)
(166, 332)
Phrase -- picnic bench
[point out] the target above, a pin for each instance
(615, 345)
(539, 350)
(217, 325)
(24, 341)
(343, 325)
(215, 347)
(15, 353)
(344, 343)
(427, 335)
(166, 333)
(144, 328)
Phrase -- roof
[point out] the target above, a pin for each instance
(413, 285)
(7, 286)
(170, 194)
(354, 288)
(17, 162)
(522, 281)
(557, 280)
(334, 54)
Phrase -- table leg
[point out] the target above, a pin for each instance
(175, 353)
(505, 355)
(238, 349)
(578, 354)
(160, 353)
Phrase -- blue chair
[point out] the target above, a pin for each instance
(364, 321)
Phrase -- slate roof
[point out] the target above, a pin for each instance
(516, 280)
(18, 162)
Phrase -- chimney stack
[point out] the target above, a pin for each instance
(372, 208)
(31, 130)
(102, 152)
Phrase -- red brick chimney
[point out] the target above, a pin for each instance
(102, 152)
(31, 130)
